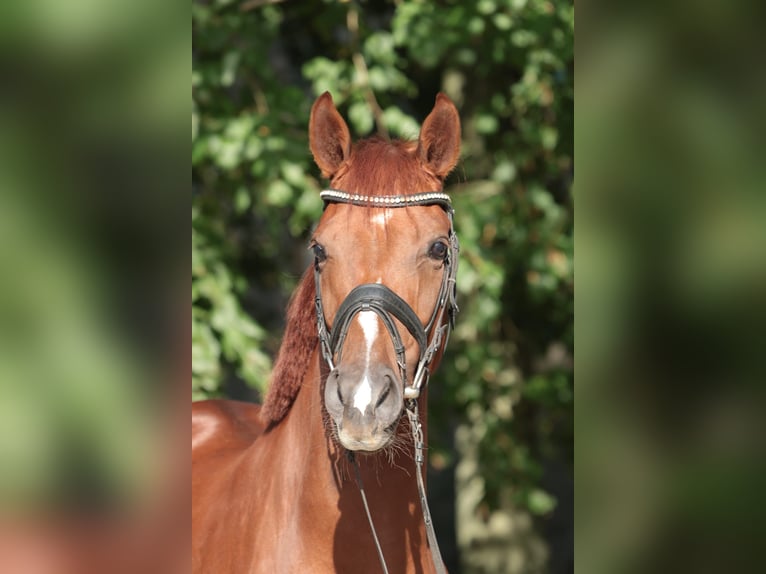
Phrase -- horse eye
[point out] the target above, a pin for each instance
(319, 253)
(438, 250)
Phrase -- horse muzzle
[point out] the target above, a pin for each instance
(365, 406)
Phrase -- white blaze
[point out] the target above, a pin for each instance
(363, 395)
(382, 217)
(368, 320)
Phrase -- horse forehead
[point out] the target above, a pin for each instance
(382, 226)
(381, 217)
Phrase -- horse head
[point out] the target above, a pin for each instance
(385, 259)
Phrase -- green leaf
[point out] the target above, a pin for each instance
(540, 502)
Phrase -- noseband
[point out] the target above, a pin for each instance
(388, 305)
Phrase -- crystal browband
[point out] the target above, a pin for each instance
(427, 198)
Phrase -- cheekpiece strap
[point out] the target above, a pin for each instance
(426, 198)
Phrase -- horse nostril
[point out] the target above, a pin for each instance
(384, 395)
(337, 391)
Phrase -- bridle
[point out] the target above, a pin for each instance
(387, 304)
(430, 337)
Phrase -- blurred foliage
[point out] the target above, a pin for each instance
(672, 217)
(90, 347)
(508, 65)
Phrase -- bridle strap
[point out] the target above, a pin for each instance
(377, 298)
(388, 305)
(426, 198)
(384, 302)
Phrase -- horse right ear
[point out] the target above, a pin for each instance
(329, 138)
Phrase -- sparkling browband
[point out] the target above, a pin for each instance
(431, 197)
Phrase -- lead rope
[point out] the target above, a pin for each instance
(352, 458)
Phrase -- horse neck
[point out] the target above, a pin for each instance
(329, 502)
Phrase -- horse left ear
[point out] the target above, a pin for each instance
(439, 142)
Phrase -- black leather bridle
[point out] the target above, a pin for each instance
(388, 306)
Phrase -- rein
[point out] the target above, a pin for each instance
(389, 306)
(433, 544)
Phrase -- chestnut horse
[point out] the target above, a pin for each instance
(326, 475)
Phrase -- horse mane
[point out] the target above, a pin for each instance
(298, 345)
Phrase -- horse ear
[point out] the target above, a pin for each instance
(439, 142)
(329, 138)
